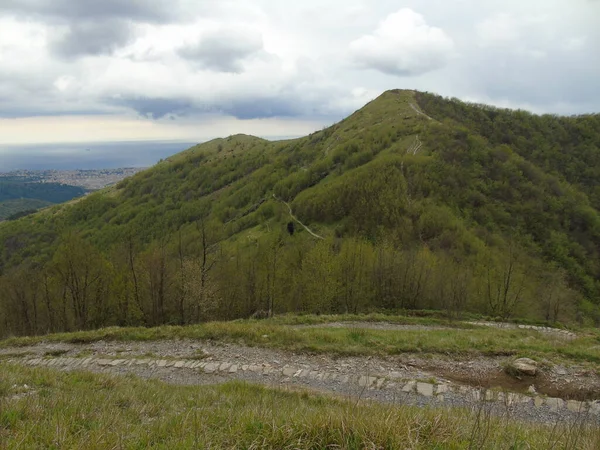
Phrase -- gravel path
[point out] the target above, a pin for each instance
(402, 379)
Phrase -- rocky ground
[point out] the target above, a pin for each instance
(555, 394)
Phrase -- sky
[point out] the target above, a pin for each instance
(190, 70)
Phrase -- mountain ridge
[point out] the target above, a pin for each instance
(423, 202)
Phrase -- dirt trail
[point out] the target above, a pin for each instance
(421, 113)
(404, 379)
(295, 219)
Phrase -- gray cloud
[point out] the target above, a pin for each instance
(298, 61)
(223, 50)
(92, 38)
(155, 108)
(158, 11)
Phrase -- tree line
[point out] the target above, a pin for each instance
(195, 277)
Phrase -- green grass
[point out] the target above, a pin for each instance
(60, 410)
(467, 341)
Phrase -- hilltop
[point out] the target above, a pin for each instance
(413, 202)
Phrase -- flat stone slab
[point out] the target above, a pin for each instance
(554, 403)
(425, 389)
(365, 381)
(288, 372)
(409, 387)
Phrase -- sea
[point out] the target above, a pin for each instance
(105, 155)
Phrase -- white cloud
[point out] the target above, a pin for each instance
(250, 59)
(403, 44)
(499, 29)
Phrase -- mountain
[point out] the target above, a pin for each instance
(18, 195)
(413, 202)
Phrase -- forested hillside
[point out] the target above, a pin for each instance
(413, 202)
(17, 196)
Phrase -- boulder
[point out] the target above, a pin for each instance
(525, 366)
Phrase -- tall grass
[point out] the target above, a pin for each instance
(83, 410)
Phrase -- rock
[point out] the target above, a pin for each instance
(289, 372)
(409, 387)
(425, 389)
(531, 389)
(575, 406)
(525, 366)
(554, 403)
(365, 381)
(559, 370)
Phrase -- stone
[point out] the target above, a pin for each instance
(224, 366)
(233, 368)
(525, 366)
(344, 379)
(554, 403)
(297, 374)
(595, 408)
(538, 402)
(365, 381)
(531, 390)
(210, 368)
(442, 389)
(490, 396)
(245, 367)
(575, 406)
(380, 382)
(288, 371)
(255, 368)
(179, 364)
(425, 389)
(161, 363)
(409, 387)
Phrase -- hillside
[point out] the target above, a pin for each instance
(413, 202)
(19, 195)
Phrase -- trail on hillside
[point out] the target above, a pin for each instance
(294, 218)
(418, 111)
(403, 379)
(415, 146)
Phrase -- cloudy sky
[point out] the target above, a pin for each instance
(117, 70)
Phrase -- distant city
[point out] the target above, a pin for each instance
(88, 179)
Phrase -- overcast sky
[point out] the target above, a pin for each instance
(89, 70)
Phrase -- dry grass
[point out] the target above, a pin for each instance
(89, 411)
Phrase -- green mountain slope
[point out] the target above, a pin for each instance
(11, 209)
(17, 196)
(412, 202)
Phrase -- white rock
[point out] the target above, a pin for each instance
(526, 366)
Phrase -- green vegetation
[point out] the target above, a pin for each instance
(15, 209)
(48, 409)
(457, 340)
(474, 212)
(17, 196)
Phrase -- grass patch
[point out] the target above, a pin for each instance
(460, 340)
(92, 411)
